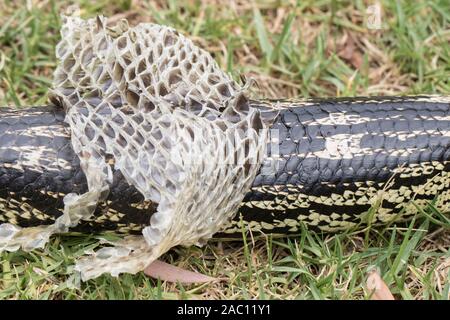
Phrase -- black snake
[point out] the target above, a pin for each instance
(335, 156)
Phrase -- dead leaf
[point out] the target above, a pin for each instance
(170, 273)
(378, 287)
(350, 52)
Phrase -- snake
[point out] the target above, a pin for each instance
(328, 164)
(334, 158)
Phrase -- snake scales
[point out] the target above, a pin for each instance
(147, 127)
(334, 157)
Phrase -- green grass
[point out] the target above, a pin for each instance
(313, 48)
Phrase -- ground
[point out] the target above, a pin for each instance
(309, 49)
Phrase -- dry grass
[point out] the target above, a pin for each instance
(311, 48)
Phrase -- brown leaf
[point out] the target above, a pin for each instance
(350, 52)
(378, 287)
(170, 273)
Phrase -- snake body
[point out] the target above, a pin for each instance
(328, 162)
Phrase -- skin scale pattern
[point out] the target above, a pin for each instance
(328, 162)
